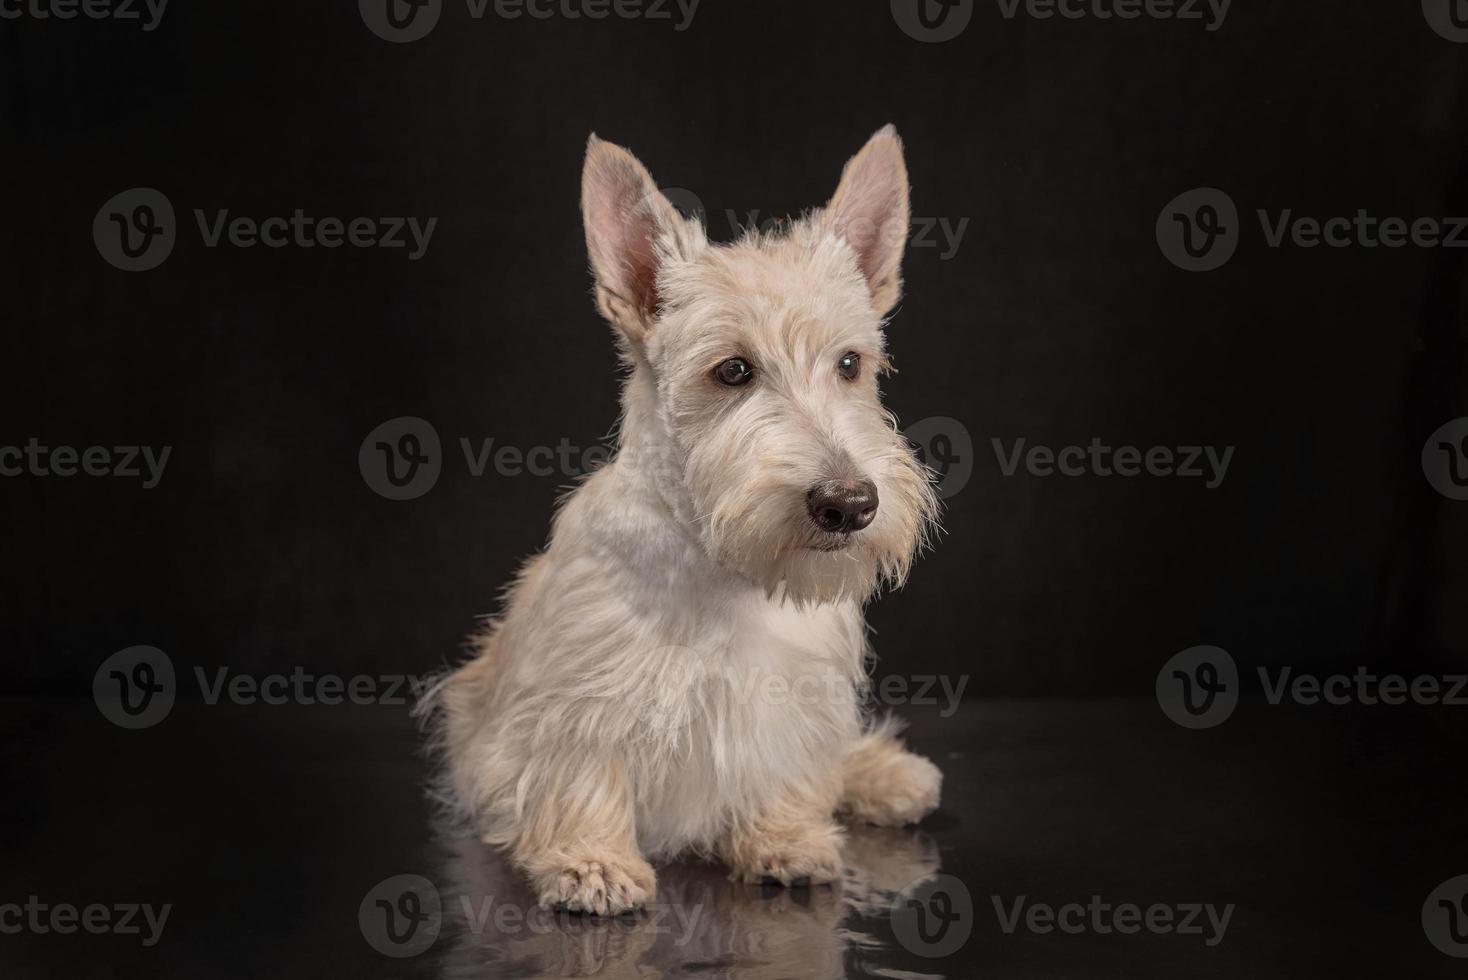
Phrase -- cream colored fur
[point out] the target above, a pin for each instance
(682, 670)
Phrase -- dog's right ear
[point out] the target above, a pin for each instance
(631, 232)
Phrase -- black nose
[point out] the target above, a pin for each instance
(842, 505)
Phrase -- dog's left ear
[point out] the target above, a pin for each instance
(631, 232)
(870, 211)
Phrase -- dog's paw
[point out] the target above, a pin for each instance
(903, 789)
(811, 862)
(604, 887)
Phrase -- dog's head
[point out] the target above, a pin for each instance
(757, 363)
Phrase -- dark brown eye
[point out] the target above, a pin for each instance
(734, 372)
(849, 365)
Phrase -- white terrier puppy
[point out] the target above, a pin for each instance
(683, 669)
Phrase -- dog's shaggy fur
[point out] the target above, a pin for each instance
(682, 670)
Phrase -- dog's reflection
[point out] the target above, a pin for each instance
(700, 924)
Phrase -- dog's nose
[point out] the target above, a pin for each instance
(842, 505)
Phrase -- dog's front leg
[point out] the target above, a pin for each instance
(794, 842)
(578, 842)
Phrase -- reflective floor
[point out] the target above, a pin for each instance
(1091, 839)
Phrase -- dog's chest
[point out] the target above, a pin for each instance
(767, 703)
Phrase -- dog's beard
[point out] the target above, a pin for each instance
(763, 532)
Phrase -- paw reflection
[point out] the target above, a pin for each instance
(700, 923)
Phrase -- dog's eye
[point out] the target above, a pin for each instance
(849, 365)
(734, 372)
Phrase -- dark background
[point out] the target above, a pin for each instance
(1057, 320)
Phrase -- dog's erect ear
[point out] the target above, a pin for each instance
(870, 211)
(631, 231)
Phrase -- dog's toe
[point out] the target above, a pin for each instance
(601, 887)
(817, 863)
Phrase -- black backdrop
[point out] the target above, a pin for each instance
(1057, 319)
